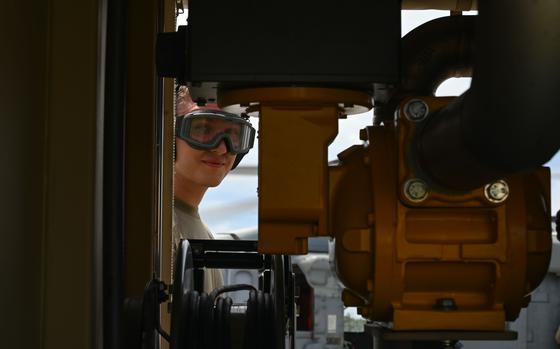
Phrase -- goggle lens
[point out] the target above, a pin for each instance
(206, 130)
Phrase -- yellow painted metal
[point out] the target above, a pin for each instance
(49, 107)
(351, 205)
(292, 97)
(296, 125)
(479, 257)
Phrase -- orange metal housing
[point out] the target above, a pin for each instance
(296, 125)
(450, 261)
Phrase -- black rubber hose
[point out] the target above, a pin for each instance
(507, 122)
(226, 328)
(430, 54)
(261, 320)
(214, 316)
(270, 322)
(193, 323)
(438, 50)
(251, 322)
(204, 320)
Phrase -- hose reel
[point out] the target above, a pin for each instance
(201, 320)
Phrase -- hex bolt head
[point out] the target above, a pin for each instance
(363, 134)
(416, 110)
(415, 190)
(497, 191)
(445, 304)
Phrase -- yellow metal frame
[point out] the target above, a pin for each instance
(296, 125)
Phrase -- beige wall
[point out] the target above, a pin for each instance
(48, 98)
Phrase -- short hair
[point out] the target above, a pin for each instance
(183, 102)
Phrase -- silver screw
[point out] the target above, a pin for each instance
(415, 190)
(450, 344)
(416, 110)
(446, 304)
(497, 191)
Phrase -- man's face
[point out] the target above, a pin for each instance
(206, 168)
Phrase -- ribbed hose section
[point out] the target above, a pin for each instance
(432, 53)
(508, 121)
(438, 50)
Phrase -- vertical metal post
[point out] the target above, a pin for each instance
(113, 173)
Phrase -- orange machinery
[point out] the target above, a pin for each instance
(408, 251)
(442, 217)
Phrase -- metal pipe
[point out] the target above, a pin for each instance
(507, 121)
(438, 50)
(430, 54)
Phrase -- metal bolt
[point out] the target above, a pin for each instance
(447, 342)
(415, 190)
(446, 304)
(363, 134)
(497, 191)
(451, 344)
(416, 110)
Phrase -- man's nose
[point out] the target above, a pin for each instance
(221, 148)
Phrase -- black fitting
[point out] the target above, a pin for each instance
(171, 56)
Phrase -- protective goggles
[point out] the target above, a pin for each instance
(205, 129)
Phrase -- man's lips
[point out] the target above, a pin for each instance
(214, 163)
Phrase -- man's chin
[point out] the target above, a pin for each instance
(215, 182)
